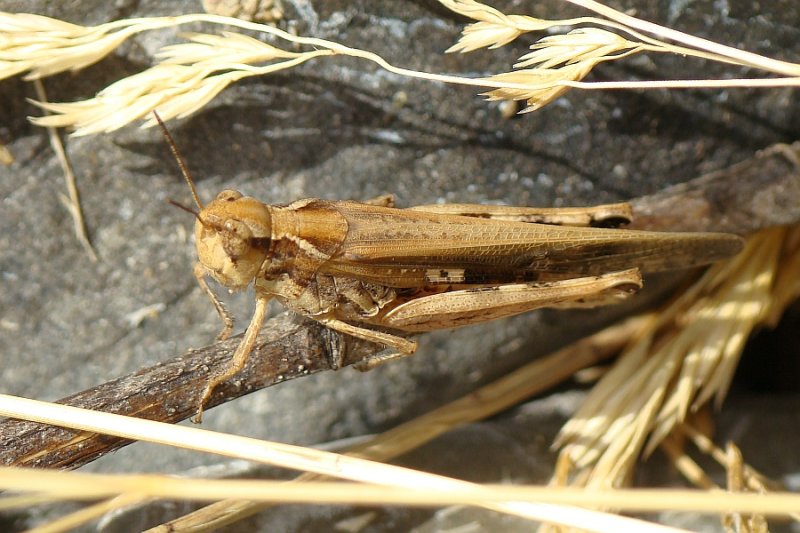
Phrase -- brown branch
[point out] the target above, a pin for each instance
(759, 192)
(288, 347)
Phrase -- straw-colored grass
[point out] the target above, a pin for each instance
(78, 486)
(193, 73)
(682, 358)
(421, 488)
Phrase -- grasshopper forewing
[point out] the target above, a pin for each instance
(374, 272)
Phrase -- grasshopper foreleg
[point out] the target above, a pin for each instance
(222, 311)
(239, 357)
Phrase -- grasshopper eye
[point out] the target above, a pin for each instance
(228, 195)
(236, 237)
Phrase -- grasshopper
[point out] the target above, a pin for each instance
(372, 271)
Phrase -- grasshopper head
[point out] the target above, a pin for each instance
(232, 235)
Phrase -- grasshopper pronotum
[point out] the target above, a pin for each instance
(357, 266)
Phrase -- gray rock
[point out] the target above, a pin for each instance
(340, 128)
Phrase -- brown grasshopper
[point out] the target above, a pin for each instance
(357, 266)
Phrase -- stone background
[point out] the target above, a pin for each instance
(342, 128)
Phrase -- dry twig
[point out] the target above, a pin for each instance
(73, 202)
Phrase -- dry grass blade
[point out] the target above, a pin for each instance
(495, 29)
(189, 76)
(585, 44)
(685, 359)
(587, 47)
(746, 477)
(73, 202)
(732, 55)
(753, 479)
(205, 50)
(558, 59)
(87, 514)
(81, 486)
(740, 479)
(673, 447)
(542, 86)
(42, 46)
(439, 490)
(736, 521)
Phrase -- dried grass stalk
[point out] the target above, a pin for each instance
(374, 478)
(561, 61)
(189, 76)
(682, 360)
(192, 74)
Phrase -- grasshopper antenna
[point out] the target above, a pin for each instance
(196, 215)
(184, 208)
(181, 163)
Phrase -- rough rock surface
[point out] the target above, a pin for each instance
(343, 128)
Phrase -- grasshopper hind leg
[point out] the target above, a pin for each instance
(396, 347)
(463, 307)
(600, 216)
(376, 360)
